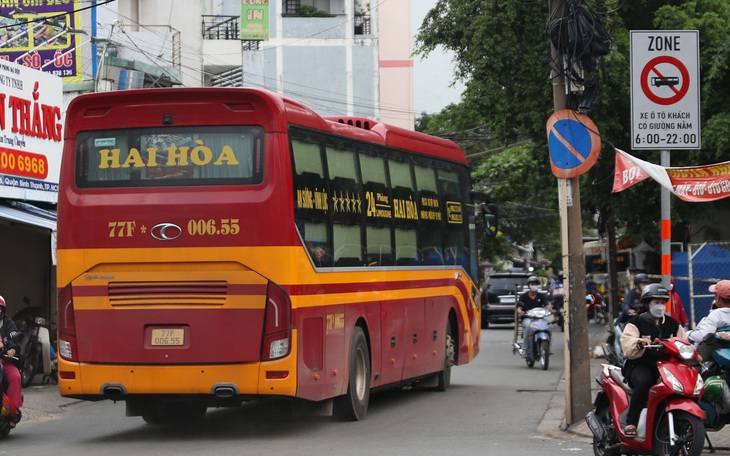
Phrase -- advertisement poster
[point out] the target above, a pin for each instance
(31, 133)
(254, 20)
(40, 34)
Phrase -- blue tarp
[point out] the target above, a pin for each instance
(711, 263)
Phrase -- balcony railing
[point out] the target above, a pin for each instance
(221, 28)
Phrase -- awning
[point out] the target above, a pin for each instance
(29, 215)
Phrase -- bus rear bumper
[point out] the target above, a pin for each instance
(226, 381)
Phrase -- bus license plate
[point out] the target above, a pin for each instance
(163, 337)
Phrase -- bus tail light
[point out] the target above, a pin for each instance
(67, 347)
(277, 324)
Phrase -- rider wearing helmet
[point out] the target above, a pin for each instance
(527, 301)
(640, 367)
(10, 346)
(631, 301)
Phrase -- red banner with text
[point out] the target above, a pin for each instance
(693, 183)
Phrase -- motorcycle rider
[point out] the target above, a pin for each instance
(8, 330)
(530, 300)
(717, 318)
(631, 301)
(640, 368)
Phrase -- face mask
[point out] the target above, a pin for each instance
(534, 287)
(657, 311)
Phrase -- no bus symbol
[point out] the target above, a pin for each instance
(665, 80)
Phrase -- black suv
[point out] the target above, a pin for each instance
(498, 300)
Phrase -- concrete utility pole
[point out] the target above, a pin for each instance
(578, 399)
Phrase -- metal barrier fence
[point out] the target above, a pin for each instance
(706, 264)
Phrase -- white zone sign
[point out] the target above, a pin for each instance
(665, 89)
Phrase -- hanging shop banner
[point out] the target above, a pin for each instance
(31, 133)
(693, 184)
(42, 35)
(254, 20)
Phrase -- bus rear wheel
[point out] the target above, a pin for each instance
(444, 377)
(353, 406)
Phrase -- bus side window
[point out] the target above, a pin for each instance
(432, 256)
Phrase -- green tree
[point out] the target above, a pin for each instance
(501, 54)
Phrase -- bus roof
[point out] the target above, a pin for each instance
(137, 108)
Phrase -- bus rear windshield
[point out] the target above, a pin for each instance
(172, 156)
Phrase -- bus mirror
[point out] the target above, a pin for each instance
(490, 216)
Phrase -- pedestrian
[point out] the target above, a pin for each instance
(678, 312)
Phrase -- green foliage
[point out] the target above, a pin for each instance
(308, 11)
(501, 50)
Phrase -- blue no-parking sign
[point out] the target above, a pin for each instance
(573, 142)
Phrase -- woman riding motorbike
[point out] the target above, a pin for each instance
(640, 367)
(11, 374)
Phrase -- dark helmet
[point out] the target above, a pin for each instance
(654, 291)
(641, 278)
(533, 279)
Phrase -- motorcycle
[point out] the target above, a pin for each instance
(672, 422)
(612, 348)
(715, 370)
(541, 332)
(10, 414)
(597, 308)
(38, 355)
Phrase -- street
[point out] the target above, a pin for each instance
(494, 406)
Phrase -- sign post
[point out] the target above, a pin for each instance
(665, 105)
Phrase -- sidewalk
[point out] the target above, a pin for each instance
(553, 422)
(42, 402)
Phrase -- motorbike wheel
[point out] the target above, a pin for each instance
(29, 368)
(544, 351)
(530, 362)
(600, 447)
(690, 430)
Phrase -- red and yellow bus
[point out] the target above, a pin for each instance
(222, 245)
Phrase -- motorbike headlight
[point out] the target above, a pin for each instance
(676, 384)
(686, 352)
(699, 385)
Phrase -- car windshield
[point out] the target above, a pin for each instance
(504, 285)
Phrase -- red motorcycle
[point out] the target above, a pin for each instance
(596, 308)
(672, 423)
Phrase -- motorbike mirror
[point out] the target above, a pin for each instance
(26, 300)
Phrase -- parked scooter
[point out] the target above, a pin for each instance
(541, 333)
(671, 424)
(38, 355)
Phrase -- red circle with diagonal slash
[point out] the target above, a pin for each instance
(652, 67)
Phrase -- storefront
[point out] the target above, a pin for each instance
(28, 260)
